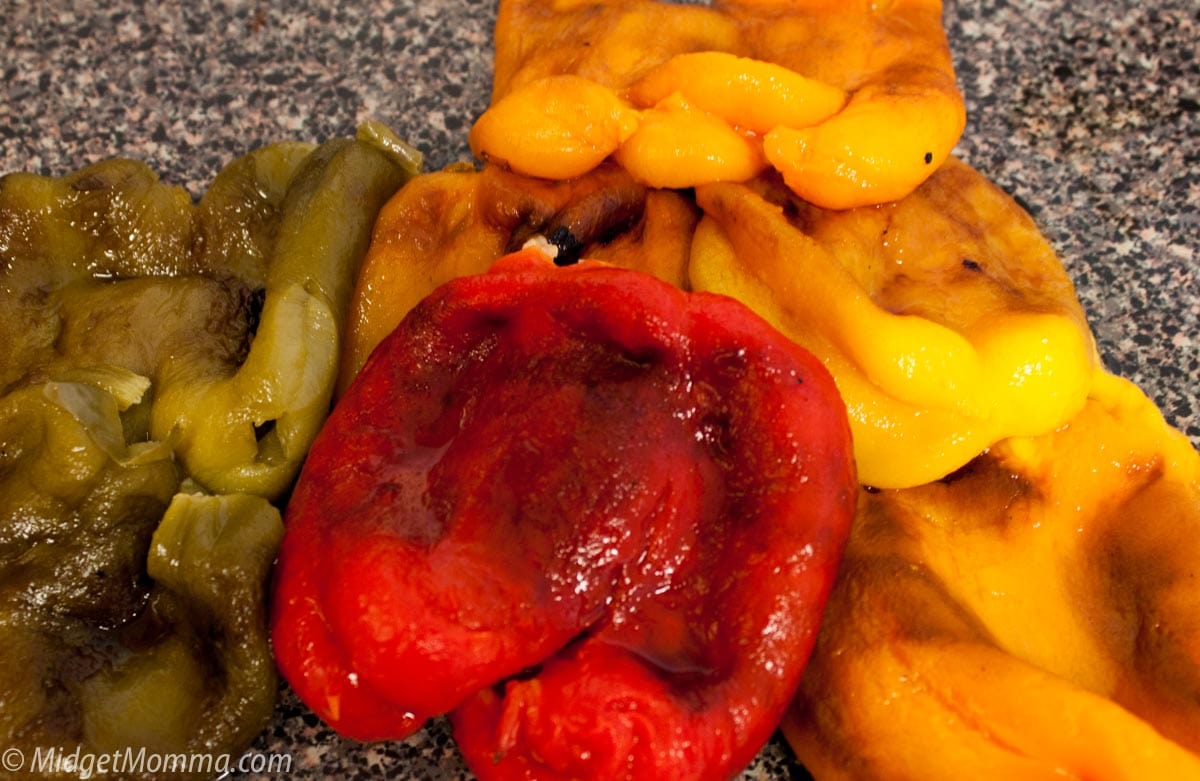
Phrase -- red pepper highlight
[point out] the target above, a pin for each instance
(593, 516)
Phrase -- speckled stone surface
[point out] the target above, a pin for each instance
(1088, 113)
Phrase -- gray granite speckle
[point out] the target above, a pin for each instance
(188, 86)
(1088, 113)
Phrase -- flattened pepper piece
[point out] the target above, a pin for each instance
(108, 265)
(127, 618)
(1035, 616)
(210, 683)
(594, 515)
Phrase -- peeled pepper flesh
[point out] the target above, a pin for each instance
(1034, 615)
(592, 515)
(147, 340)
(683, 95)
(945, 318)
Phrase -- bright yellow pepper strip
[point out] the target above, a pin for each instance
(945, 319)
(854, 103)
(1036, 616)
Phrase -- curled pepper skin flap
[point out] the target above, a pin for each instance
(246, 428)
(593, 515)
(457, 222)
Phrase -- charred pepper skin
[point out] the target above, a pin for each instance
(593, 516)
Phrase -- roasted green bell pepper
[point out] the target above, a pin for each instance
(165, 367)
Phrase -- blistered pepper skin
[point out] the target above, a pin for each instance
(456, 222)
(592, 515)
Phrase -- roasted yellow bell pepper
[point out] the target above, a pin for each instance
(611, 44)
(743, 92)
(945, 318)
(678, 144)
(558, 127)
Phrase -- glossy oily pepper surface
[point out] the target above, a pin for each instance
(592, 515)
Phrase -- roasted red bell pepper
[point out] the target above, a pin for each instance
(593, 516)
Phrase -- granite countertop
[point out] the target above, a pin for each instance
(1088, 113)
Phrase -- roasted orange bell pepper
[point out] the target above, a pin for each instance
(1033, 616)
(686, 96)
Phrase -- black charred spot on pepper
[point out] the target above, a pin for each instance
(928, 158)
(569, 248)
(254, 304)
(870, 489)
(261, 430)
(971, 265)
(965, 470)
(527, 674)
